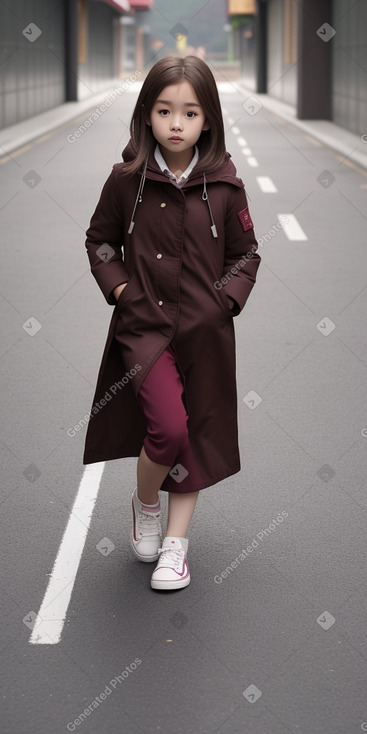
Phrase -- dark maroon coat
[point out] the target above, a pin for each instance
(178, 276)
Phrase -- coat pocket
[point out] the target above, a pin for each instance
(125, 293)
(226, 303)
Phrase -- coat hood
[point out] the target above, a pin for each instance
(226, 173)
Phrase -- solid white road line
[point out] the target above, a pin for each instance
(252, 162)
(55, 603)
(266, 185)
(292, 228)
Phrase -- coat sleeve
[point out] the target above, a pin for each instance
(241, 260)
(105, 238)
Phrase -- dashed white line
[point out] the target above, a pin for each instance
(266, 184)
(242, 141)
(60, 586)
(236, 130)
(246, 151)
(252, 162)
(292, 228)
(231, 120)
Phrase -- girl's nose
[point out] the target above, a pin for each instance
(176, 124)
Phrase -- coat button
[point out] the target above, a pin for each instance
(160, 303)
(159, 256)
(163, 205)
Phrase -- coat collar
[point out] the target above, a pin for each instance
(152, 170)
(227, 173)
(185, 174)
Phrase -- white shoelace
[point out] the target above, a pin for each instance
(149, 524)
(170, 557)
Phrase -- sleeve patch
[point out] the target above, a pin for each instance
(245, 219)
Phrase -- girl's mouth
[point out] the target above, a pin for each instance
(175, 139)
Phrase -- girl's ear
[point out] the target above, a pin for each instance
(206, 126)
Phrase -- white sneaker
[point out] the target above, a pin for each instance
(172, 569)
(146, 533)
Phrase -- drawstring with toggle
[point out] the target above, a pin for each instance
(139, 198)
(205, 197)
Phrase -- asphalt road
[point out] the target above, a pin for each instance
(270, 634)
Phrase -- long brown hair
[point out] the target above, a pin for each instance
(172, 70)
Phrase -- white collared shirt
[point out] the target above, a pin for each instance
(179, 180)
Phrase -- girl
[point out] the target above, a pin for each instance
(166, 390)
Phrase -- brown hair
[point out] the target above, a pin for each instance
(172, 70)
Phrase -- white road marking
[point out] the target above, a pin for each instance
(246, 151)
(266, 184)
(292, 228)
(236, 130)
(231, 120)
(60, 586)
(242, 141)
(252, 162)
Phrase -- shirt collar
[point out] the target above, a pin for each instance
(164, 168)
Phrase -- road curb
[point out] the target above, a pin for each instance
(348, 144)
(17, 136)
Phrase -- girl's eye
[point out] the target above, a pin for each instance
(165, 113)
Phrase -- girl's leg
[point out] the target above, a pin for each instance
(160, 397)
(180, 511)
(150, 477)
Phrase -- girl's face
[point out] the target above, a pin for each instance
(177, 118)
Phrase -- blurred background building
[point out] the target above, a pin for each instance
(311, 55)
(54, 52)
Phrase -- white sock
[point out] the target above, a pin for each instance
(156, 504)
